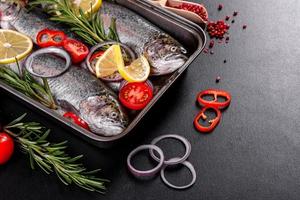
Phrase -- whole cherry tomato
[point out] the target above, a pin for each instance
(6, 147)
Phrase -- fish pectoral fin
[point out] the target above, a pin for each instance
(68, 107)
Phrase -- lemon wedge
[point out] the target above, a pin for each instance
(109, 62)
(13, 45)
(137, 71)
(85, 5)
(88, 5)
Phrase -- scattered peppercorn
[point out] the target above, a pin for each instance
(211, 44)
(225, 61)
(218, 79)
(232, 21)
(235, 13)
(244, 26)
(211, 52)
(197, 9)
(227, 18)
(220, 7)
(217, 29)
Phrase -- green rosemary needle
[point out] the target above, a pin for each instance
(88, 26)
(51, 157)
(28, 86)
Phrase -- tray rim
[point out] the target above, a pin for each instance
(97, 139)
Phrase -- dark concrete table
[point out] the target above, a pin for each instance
(253, 153)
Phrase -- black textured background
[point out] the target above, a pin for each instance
(253, 153)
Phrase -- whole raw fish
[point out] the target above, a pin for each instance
(77, 90)
(163, 52)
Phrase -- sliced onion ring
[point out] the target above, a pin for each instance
(146, 173)
(189, 166)
(49, 50)
(100, 45)
(173, 161)
(124, 82)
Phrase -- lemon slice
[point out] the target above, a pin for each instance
(87, 5)
(137, 71)
(109, 62)
(13, 45)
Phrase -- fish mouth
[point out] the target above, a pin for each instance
(176, 57)
(108, 129)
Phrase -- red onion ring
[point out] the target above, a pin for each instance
(145, 173)
(189, 166)
(98, 46)
(148, 82)
(173, 161)
(49, 50)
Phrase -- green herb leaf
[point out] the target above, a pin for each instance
(51, 157)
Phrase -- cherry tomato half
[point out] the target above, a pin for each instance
(96, 55)
(77, 50)
(135, 95)
(6, 147)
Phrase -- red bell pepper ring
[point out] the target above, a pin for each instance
(213, 122)
(47, 38)
(77, 50)
(214, 103)
(77, 120)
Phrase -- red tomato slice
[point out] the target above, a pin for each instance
(135, 95)
(77, 50)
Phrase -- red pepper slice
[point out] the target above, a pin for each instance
(213, 122)
(214, 103)
(77, 50)
(47, 38)
(96, 55)
(77, 120)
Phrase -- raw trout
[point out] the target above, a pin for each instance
(163, 52)
(76, 90)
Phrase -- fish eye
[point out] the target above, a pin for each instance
(114, 115)
(173, 49)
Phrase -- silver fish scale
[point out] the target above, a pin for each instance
(31, 23)
(133, 30)
(75, 86)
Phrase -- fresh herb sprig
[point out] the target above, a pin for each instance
(51, 157)
(88, 26)
(28, 85)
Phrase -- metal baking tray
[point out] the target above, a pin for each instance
(190, 35)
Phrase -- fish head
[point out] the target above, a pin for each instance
(103, 114)
(8, 13)
(164, 54)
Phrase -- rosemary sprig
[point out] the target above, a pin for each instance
(28, 86)
(89, 26)
(51, 157)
